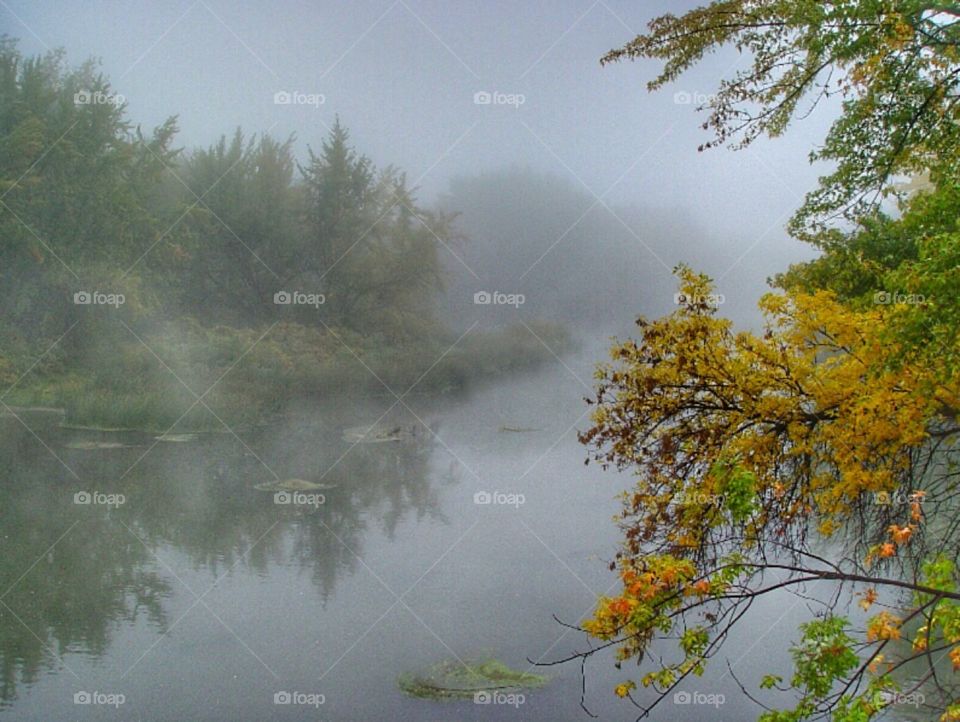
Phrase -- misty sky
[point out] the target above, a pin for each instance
(403, 75)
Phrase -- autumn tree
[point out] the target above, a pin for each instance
(824, 448)
(749, 450)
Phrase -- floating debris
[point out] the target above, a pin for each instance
(292, 485)
(371, 435)
(176, 438)
(453, 679)
(95, 445)
(33, 410)
(517, 429)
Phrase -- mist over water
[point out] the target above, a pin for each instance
(306, 599)
(141, 561)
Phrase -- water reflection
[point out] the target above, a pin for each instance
(73, 573)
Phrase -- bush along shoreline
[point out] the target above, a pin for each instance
(155, 385)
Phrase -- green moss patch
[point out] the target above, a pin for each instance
(451, 680)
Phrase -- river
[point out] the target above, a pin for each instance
(181, 592)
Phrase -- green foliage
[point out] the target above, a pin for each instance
(125, 386)
(342, 229)
(372, 248)
(823, 657)
(895, 63)
(738, 487)
(910, 262)
(76, 182)
(237, 244)
(770, 681)
(940, 573)
(881, 301)
(199, 244)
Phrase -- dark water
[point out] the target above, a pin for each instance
(201, 598)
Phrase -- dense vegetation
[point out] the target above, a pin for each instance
(145, 285)
(822, 450)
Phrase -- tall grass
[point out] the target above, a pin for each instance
(244, 382)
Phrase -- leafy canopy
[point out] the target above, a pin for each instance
(824, 447)
(744, 447)
(894, 64)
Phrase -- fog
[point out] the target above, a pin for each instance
(402, 77)
(375, 268)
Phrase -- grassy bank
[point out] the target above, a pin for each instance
(243, 376)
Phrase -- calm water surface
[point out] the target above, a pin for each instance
(201, 598)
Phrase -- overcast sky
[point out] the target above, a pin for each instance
(403, 76)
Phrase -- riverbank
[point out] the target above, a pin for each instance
(194, 378)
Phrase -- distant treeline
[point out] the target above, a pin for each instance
(574, 258)
(130, 267)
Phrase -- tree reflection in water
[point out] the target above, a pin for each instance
(194, 498)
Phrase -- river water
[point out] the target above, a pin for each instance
(201, 598)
